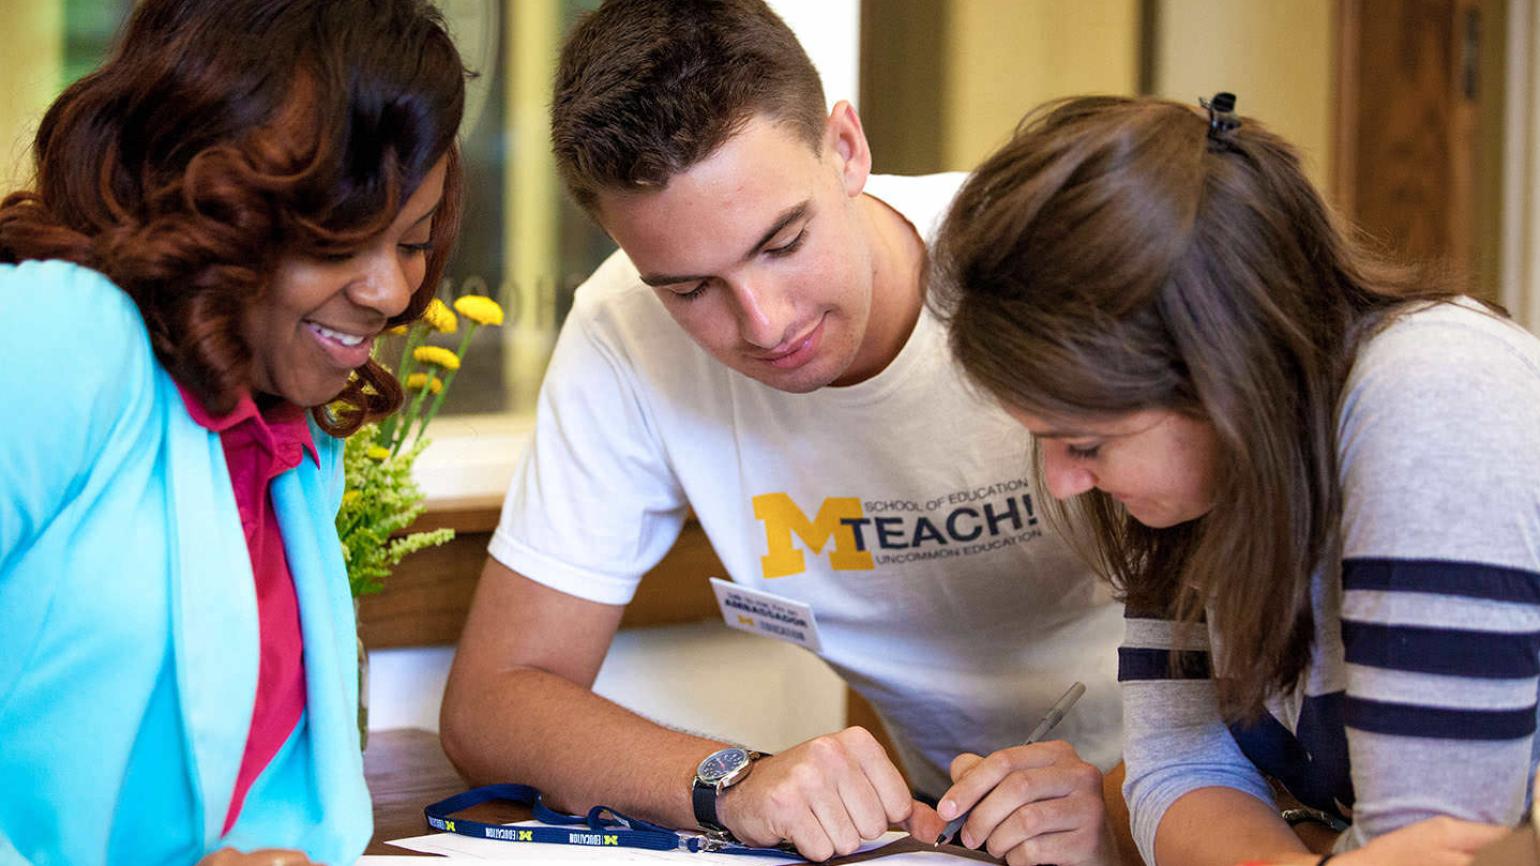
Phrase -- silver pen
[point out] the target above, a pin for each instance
(1051, 718)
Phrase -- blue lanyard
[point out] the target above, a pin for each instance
(602, 827)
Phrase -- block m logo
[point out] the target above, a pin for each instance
(782, 518)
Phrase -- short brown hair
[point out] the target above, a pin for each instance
(219, 137)
(1113, 257)
(647, 88)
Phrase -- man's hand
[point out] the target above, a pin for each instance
(825, 796)
(1032, 804)
(263, 857)
(924, 824)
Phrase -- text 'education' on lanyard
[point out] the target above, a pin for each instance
(602, 827)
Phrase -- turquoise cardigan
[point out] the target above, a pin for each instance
(128, 618)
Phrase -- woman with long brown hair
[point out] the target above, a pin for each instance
(1314, 479)
(223, 217)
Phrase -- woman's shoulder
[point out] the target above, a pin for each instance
(71, 331)
(1437, 442)
(1455, 338)
(67, 300)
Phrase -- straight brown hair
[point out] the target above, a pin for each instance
(1115, 257)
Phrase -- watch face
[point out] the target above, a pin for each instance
(721, 764)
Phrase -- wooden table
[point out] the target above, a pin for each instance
(407, 770)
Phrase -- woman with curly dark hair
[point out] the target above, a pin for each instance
(224, 216)
(1313, 477)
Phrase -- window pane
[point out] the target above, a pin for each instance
(522, 240)
(89, 26)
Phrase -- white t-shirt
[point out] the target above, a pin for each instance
(901, 509)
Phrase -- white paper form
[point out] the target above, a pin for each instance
(406, 860)
(939, 857)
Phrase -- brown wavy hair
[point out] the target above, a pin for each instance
(1112, 258)
(221, 136)
(645, 89)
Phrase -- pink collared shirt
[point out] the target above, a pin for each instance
(259, 447)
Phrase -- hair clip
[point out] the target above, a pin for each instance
(1221, 116)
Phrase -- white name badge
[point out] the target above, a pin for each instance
(767, 614)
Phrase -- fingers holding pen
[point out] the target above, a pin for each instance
(974, 777)
(1063, 830)
(1031, 804)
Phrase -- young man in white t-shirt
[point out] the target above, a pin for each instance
(761, 352)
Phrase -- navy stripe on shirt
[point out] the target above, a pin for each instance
(1137, 663)
(1448, 651)
(1311, 762)
(1411, 720)
(1444, 577)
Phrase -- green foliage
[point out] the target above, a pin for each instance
(379, 501)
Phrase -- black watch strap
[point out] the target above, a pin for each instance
(704, 798)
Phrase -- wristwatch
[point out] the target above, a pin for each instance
(719, 771)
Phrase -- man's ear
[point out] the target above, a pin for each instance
(845, 140)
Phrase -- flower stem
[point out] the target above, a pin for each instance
(347, 533)
(438, 399)
(411, 413)
(414, 337)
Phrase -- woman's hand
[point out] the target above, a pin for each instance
(1441, 841)
(1035, 804)
(263, 857)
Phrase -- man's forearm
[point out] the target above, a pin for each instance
(580, 749)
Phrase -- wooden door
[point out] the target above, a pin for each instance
(1414, 112)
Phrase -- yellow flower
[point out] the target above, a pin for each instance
(436, 355)
(420, 380)
(351, 497)
(440, 317)
(378, 452)
(397, 330)
(480, 309)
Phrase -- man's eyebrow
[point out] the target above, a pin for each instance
(784, 219)
(787, 217)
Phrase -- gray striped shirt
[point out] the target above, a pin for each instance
(1420, 697)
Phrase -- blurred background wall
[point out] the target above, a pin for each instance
(30, 76)
(1398, 107)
